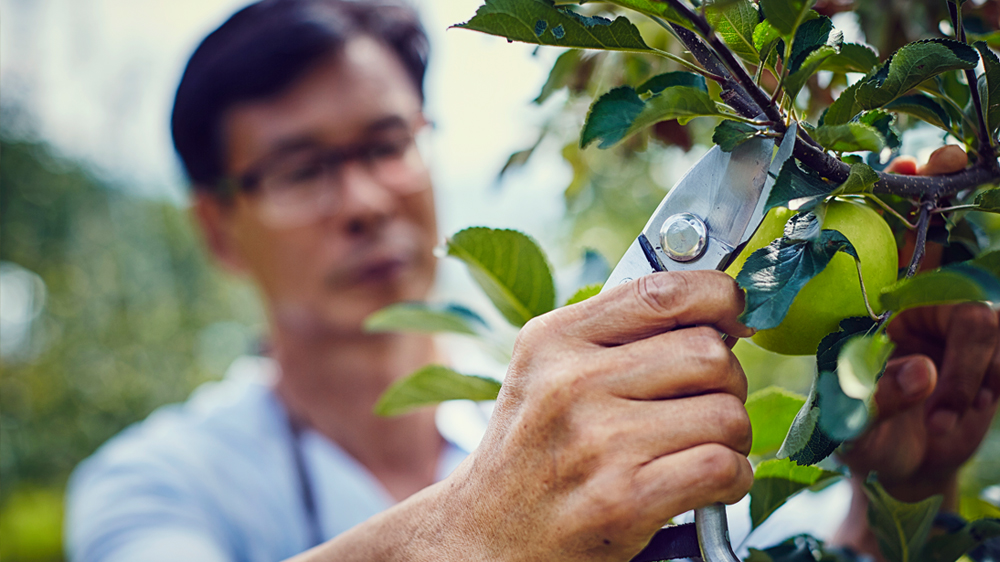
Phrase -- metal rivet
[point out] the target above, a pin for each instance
(683, 237)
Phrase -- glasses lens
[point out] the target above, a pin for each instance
(395, 163)
(295, 189)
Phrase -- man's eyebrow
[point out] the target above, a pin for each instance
(307, 142)
(388, 122)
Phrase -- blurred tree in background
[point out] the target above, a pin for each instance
(110, 310)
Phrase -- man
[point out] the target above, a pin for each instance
(295, 121)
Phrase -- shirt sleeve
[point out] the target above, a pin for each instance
(138, 510)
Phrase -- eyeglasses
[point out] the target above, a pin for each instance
(302, 185)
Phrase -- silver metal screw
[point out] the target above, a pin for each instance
(683, 237)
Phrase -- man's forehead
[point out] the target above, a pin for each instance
(357, 91)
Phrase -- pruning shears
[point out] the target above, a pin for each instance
(704, 222)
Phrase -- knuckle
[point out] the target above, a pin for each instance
(736, 423)
(661, 292)
(708, 344)
(721, 466)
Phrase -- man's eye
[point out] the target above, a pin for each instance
(303, 173)
(387, 149)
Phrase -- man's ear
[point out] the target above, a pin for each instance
(215, 216)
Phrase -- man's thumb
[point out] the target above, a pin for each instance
(907, 381)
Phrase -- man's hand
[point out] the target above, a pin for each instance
(935, 401)
(616, 414)
(937, 397)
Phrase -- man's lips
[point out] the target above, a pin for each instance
(382, 269)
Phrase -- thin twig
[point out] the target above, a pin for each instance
(955, 208)
(923, 224)
(689, 65)
(909, 225)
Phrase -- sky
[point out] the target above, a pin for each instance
(97, 79)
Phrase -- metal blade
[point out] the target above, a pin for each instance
(784, 153)
(722, 189)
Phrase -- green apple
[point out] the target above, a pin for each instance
(835, 293)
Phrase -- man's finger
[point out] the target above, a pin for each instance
(657, 303)
(945, 160)
(678, 363)
(971, 340)
(693, 478)
(907, 382)
(903, 165)
(654, 428)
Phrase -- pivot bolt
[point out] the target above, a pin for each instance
(683, 237)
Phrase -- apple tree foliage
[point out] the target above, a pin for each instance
(651, 73)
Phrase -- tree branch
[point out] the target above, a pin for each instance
(986, 151)
(736, 70)
(746, 97)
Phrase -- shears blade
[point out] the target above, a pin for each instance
(710, 213)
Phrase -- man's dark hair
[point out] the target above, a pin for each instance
(262, 50)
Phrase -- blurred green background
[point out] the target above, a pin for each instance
(109, 310)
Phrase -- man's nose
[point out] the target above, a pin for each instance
(364, 201)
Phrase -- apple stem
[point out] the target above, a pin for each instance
(864, 292)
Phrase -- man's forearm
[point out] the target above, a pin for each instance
(417, 529)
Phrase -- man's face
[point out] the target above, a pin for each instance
(327, 259)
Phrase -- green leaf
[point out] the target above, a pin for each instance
(806, 443)
(426, 318)
(730, 134)
(584, 293)
(773, 275)
(771, 412)
(849, 137)
(786, 15)
(841, 417)
(844, 108)
(765, 39)
(661, 82)
(775, 481)
(860, 364)
(810, 36)
(911, 65)
(510, 268)
(989, 86)
(900, 528)
(988, 201)
(882, 121)
(853, 57)
(815, 42)
(962, 282)
(735, 23)
(653, 8)
(795, 184)
(860, 180)
(540, 22)
(434, 384)
(620, 113)
(922, 107)
(563, 72)
(951, 546)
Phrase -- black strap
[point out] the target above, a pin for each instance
(676, 541)
(305, 486)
